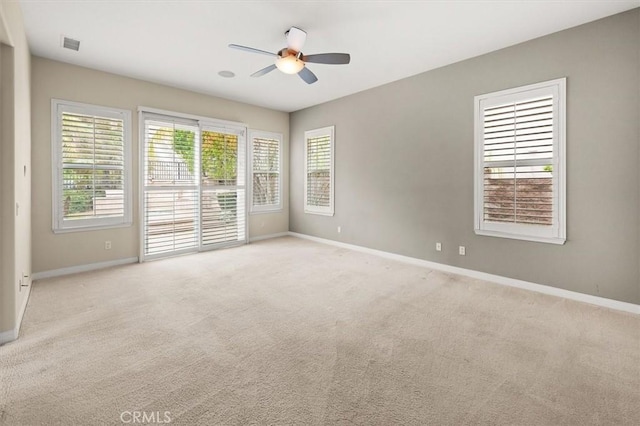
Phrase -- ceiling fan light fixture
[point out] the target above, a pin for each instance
(289, 64)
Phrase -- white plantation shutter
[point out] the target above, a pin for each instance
(319, 170)
(223, 189)
(520, 163)
(170, 196)
(266, 160)
(91, 156)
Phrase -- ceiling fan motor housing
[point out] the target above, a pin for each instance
(284, 52)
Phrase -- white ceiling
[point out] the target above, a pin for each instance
(184, 43)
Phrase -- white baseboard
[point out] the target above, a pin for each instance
(511, 282)
(23, 308)
(83, 268)
(267, 237)
(11, 335)
(8, 336)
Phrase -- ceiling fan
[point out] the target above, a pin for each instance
(290, 59)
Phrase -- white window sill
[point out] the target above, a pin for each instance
(90, 228)
(537, 239)
(269, 211)
(318, 213)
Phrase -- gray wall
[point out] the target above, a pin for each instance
(52, 79)
(404, 162)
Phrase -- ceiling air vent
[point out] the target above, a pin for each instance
(69, 43)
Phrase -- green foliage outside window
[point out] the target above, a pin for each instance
(219, 153)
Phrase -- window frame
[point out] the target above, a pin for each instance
(270, 208)
(556, 233)
(323, 131)
(59, 224)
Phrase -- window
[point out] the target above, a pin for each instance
(520, 163)
(266, 163)
(318, 171)
(91, 151)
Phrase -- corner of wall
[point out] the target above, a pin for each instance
(7, 222)
(15, 158)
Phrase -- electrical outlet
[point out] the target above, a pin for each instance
(438, 246)
(339, 229)
(462, 251)
(107, 245)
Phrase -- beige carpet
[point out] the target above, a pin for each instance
(288, 331)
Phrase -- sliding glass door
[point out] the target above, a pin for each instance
(193, 186)
(222, 195)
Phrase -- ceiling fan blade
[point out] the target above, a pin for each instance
(296, 38)
(251, 50)
(328, 58)
(306, 74)
(264, 71)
